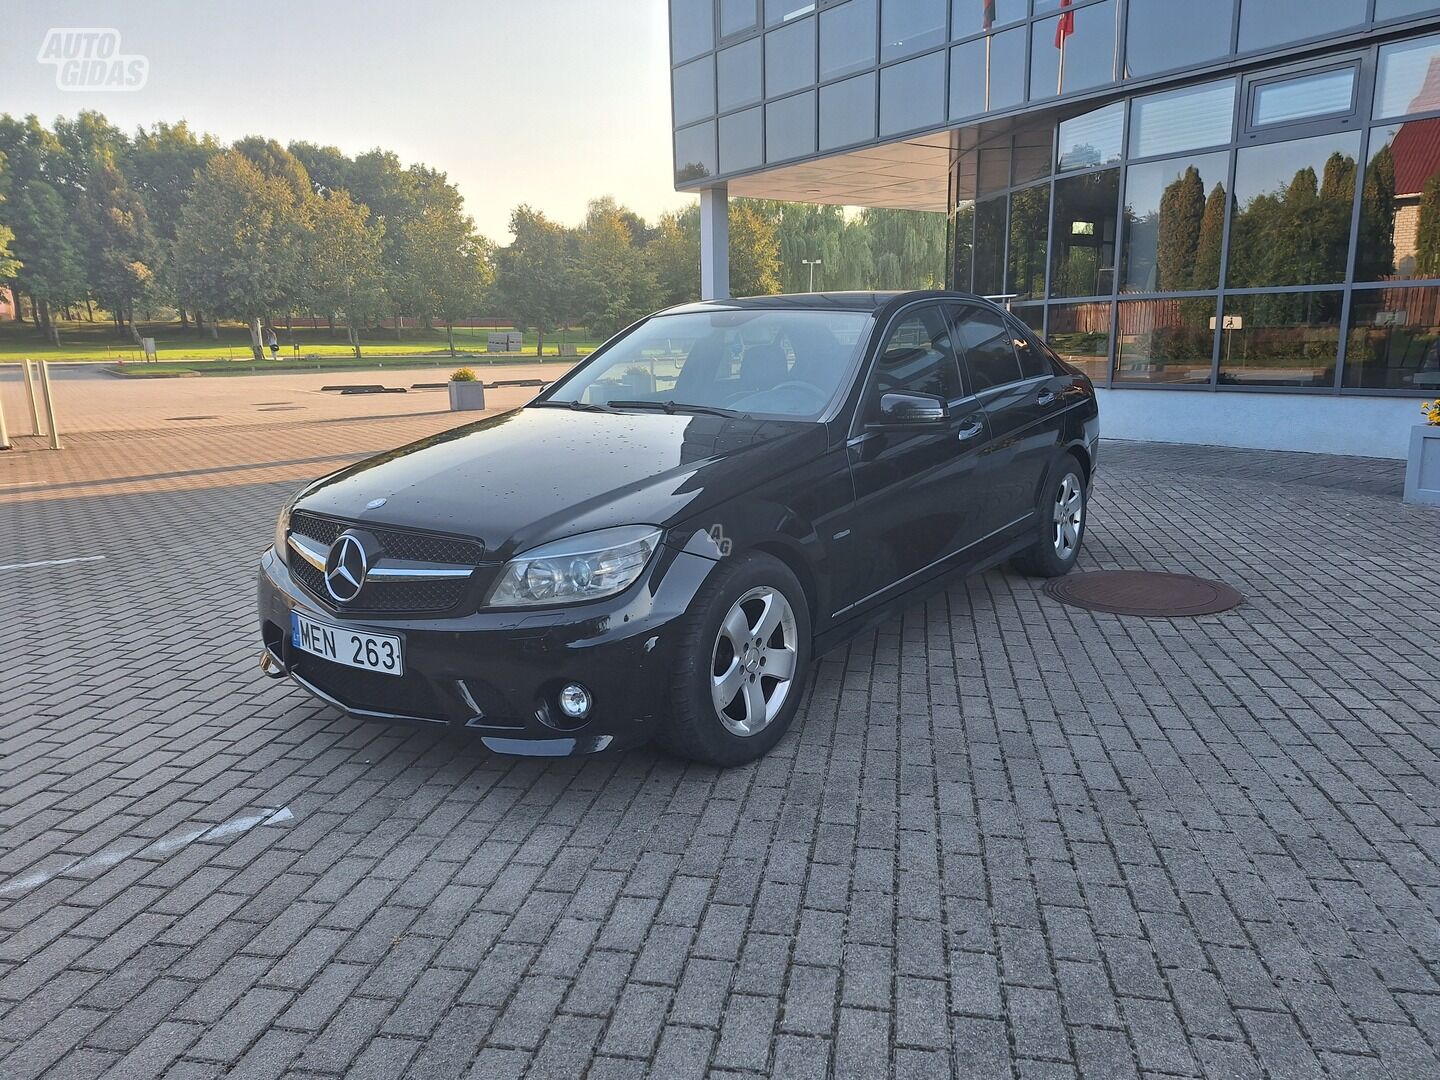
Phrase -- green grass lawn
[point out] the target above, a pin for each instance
(99, 341)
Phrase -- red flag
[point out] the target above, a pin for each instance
(1064, 26)
(987, 20)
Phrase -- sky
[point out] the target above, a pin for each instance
(548, 102)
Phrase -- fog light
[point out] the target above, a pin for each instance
(575, 701)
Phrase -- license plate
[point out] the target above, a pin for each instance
(353, 648)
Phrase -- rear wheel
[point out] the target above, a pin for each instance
(741, 665)
(1061, 529)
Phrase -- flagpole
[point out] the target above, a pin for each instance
(988, 38)
(1060, 79)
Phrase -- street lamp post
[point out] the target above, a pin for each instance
(811, 263)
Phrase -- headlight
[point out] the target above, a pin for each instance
(584, 567)
(282, 526)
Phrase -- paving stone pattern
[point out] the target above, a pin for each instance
(1005, 838)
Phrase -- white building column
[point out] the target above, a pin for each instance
(715, 243)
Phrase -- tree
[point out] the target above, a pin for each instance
(673, 257)
(1211, 237)
(450, 263)
(275, 163)
(46, 241)
(1177, 239)
(530, 278)
(342, 268)
(162, 166)
(9, 266)
(1427, 234)
(120, 249)
(612, 283)
(240, 247)
(754, 253)
(1375, 259)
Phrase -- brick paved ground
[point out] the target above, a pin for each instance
(1005, 838)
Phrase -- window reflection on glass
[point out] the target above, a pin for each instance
(1083, 237)
(1184, 119)
(964, 218)
(695, 152)
(1323, 93)
(1400, 204)
(790, 127)
(737, 15)
(692, 28)
(990, 219)
(1292, 219)
(1033, 316)
(790, 58)
(695, 90)
(1175, 224)
(740, 74)
(1155, 44)
(1092, 139)
(1165, 341)
(741, 146)
(910, 26)
(988, 73)
(1029, 223)
(1033, 153)
(1409, 78)
(779, 11)
(1080, 333)
(1280, 339)
(994, 170)
(1398, 9)
(1274, 22)
(1073, 51)
(847, 111)
(912, 94)
(1394, 340)
(847, 38)
(974, 16)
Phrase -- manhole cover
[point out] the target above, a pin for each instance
(1143, 593)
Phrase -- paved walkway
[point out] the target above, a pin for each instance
(1005, 838)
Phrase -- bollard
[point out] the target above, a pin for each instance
(49, 404)
(4, 431)
(34, 398)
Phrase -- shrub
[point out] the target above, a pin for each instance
(463, 374)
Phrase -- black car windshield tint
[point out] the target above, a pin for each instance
(766, 363)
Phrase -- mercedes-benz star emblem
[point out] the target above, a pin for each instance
(345, 568)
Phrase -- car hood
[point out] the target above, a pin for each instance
(539, 474)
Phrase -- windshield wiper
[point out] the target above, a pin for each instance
(573, 406)
(674, 407)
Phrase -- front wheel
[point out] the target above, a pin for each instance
(741, 666)
(1062, 514)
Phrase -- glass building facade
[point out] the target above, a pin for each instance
(1223, 194)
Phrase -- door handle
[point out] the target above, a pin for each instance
(1046, 397)
(970, 430)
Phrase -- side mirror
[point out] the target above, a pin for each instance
(903, 409)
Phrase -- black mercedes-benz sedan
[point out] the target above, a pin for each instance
(660, 543)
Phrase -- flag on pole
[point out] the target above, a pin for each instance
(987, 20)
(1064, 26)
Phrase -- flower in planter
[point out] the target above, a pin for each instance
(1431, 409)
(463, 374)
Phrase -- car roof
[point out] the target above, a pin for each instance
(822, 301)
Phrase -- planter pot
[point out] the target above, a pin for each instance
(467, 396)
(1422, 470)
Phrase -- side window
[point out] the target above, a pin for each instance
(986, 343)
(918, 358)
(1033, 362)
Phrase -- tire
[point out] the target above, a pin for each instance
(731, 612)
(1063, 513)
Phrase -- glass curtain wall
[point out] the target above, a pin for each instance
(1250, 232)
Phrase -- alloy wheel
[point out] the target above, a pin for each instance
(752, 666)
(1068, 514)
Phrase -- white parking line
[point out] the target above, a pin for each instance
(53, 562)
(106, 859)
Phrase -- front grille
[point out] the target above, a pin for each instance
(390, 597)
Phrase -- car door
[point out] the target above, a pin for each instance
(914, 505)
(1016, 384)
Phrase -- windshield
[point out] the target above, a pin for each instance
(773, 363)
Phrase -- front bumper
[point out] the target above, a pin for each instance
(497, 674)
